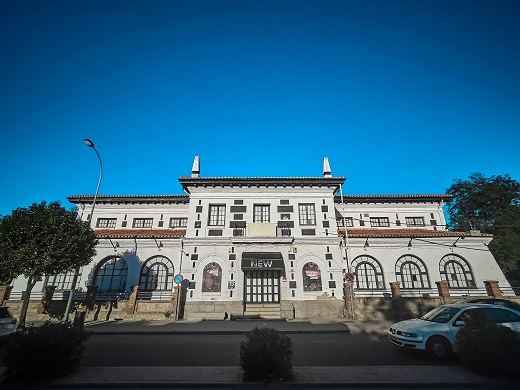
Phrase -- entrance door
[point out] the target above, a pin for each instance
(262, 286)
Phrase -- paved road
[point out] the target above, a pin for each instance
(223, 350)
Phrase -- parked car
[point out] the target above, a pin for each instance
(435, 331)
(494, 301)
(7, 322)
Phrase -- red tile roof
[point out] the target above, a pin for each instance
(140, 233)
(407, 233)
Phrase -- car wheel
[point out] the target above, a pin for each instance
(438, 347)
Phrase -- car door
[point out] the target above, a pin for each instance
(503, 316)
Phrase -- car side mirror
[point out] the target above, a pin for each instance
(459, 323)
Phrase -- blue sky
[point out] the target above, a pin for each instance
(401, 96)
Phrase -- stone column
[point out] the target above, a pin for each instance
(5, 291)
(395, 287)
(44, 305)
(444, 291)
(176, 301)
(90, 297)
(132, 300)
(492, 289)
(347, 297)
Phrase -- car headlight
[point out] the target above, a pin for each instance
(406, 334)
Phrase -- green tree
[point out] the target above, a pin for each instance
(506, 242)
(43, 239)
(479, 201)
(491, 205)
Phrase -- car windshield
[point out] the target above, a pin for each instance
(440, 314)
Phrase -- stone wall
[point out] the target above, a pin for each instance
(393, 309)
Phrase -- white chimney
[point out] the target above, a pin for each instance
(195, 169)
(326, 168)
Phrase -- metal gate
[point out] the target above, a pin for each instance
(262, 286)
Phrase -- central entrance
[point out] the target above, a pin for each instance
(262, 272)
(262, 286)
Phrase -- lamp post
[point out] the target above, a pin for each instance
(90, 144)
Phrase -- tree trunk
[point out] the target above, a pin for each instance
(23, 314)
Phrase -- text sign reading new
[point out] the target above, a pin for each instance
(262, 264)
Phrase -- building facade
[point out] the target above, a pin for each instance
(275, 247)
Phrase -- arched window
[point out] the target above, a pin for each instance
(411, 272)
(456, 271)
(156, 274)
(212, 278)
(369, 274)
(111, 275)
(311, 277)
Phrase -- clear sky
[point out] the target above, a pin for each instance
(401, 96)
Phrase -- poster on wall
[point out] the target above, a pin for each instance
(211, 280)
(311, 277)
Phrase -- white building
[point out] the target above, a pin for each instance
(277, 246)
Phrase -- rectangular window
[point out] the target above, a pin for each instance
(379, 222)
(414, 221)
(107, 223)
(143, 222)
(347, 221)
(307, 214)
(217, 215)
(178, 222)
(261, 213)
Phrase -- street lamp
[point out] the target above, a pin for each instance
(90, 144)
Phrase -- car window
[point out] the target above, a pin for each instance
(472, 315)
(4, 313)
(441, 314)
(499, 316)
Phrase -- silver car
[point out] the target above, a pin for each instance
(7, 322)
(435, 331)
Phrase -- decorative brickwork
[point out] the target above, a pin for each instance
(5, 291)
(444, 291)
(90, 297)
(395, 287)
(492, 289)
(47, 294)
(132, 300)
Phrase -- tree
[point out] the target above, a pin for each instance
(479, 201)
(40, 240)
(491, 205)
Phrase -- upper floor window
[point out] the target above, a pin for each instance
(178, 222)
(261, 213)
(414, 221)
(379, 222)
(307, 214)
(217, 215)
(347, 221)
(143, 222)
(106, 223)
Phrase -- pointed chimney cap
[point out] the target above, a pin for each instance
(195, 169)
(326, 168)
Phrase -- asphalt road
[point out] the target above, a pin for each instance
(223, 350)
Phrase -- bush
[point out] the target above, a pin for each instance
(44, 352)
(266, 355)
(489, 348)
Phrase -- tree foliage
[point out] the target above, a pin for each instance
(43, 239)
(479, 201)
(491, 205)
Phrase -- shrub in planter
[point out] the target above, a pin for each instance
(489, 348)
(44, 352)
(266, 355)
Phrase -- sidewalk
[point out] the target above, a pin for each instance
(231, 377)
(238, 327)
